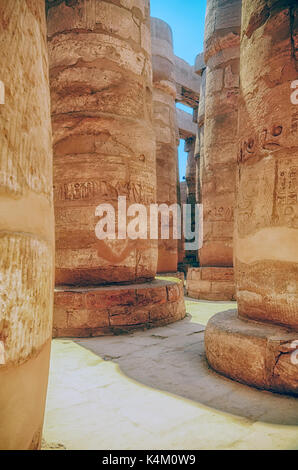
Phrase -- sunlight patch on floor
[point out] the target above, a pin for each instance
(91, 404)
(202, 310)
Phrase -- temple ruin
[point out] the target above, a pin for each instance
(88, 111)
(256, 344)
(104, 147)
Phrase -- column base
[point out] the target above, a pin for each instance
(211, 283)
(107, 310)
(254, 353)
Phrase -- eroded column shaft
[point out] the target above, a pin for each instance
(267, 183)
(220, 131)
(259, 346)
(166, 133)
(104, 144)
(218, 122)
(27, 224)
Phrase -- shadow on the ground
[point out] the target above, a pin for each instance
(172, 359)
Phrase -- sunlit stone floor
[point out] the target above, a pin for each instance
(154, 390)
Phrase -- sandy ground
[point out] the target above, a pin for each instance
(154, 390)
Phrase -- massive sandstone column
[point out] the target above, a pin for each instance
(258, 347)
(104, 144)
(104, 147)
(194, 283)
(214, 280)
(200, 69)
(190, 174)
(166, 132)
(191, 256)
(27, 224)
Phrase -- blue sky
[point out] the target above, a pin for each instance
(187, 20)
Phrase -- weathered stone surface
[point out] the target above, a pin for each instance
(222, 28)
(166, 133)
(254, 353)
(190, 175)
(187, 127)
(83, 312)
(254, 348)
(104, 144)
(187, 82)
(267, 210)
(200, 69)
(220, 130)
(211, 283)
(217, 120)
(27, 224)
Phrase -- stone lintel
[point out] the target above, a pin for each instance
(188, 83)
(187, 128)
(200, 65)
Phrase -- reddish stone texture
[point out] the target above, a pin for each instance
(181, 246)
(27, 224)
(200, 69)
(113, 310)
(166, 133)
(190, 175)
(104, 144)
(217, 145)
(267, 184)
(252, 353)
(257, 347)
(191, 256)
(211, 283)
(218, 176)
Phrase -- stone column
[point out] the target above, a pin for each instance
(104, 144)
(104, 147)
(190, 175)
(166, 132)
(258, 347)
(200, 69)
(27, 224)
(215, 279)
(201, 126)
(181, 245)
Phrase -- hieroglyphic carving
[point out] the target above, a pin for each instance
(266, 139)
(255, 197)
(286, 194)
(275, 183)
(104, 190)
(219, 213)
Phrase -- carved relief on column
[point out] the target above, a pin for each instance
(27, 224)
(200, 68)
(165, 126)
(104, 147)
(267, 183)
(259, 346)
(104, 144)
(222, 34)
(218, 120)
